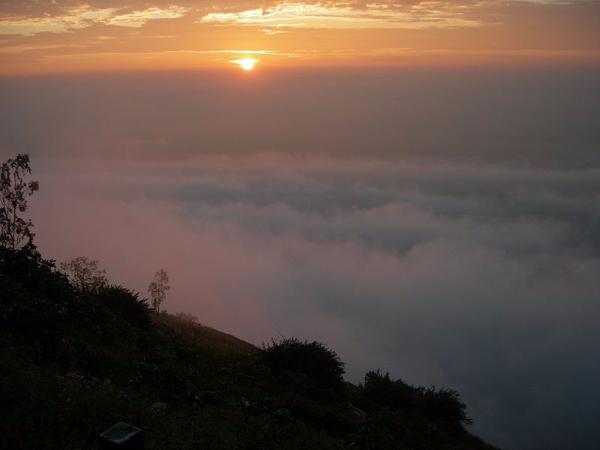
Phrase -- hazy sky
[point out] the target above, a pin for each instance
(415, 183)
(71, 35)
(536, 116)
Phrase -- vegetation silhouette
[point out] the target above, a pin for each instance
(15, 230)
(78, 357)
(158, 289)
(310, 366)
(84, 274)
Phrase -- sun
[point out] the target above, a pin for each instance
(246, 64)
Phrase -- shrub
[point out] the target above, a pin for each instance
(35, 299)
(380, 390)
(312, 360)
(444, 407)
(124, 303)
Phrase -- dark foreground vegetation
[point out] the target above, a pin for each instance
(78, 355)
(75, 361)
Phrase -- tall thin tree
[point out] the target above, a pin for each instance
(15, 230)
(158, 289)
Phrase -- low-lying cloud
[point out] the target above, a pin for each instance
(482, 278)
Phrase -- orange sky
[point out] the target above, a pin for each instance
(50, 36)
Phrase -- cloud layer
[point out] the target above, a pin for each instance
(451, 236)
(479, 277)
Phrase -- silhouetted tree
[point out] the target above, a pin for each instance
(15, 231)
(84, 274)
(158, 289)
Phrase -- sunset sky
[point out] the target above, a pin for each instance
(415, 183)
(99, 35)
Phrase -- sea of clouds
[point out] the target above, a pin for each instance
(451, 237)
(483, 278)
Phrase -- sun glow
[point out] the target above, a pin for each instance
(245, 63)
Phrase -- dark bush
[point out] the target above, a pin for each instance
(35, 300)
(441, 406)
(316, 363)
(381, 391)
(25, 269)
(124, 303)
(444, 407)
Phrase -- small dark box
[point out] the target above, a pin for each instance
(121, 436)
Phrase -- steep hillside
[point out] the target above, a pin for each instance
(75, 362)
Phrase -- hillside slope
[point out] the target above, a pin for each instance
(76, 362)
